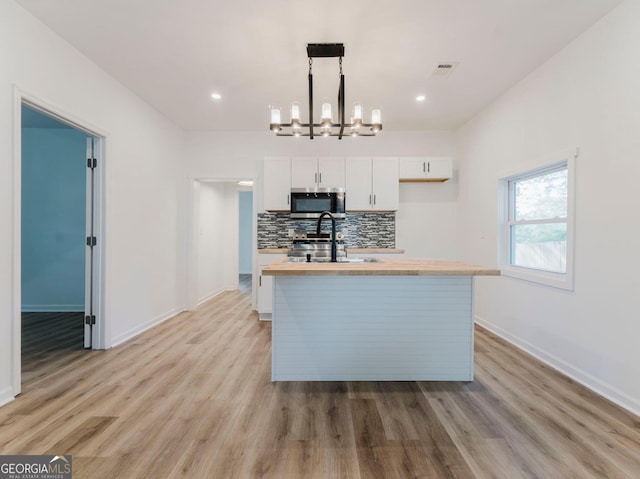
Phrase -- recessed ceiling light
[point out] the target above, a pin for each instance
(216, 96)
(421, 98)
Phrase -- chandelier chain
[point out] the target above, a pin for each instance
(310, 63)
(340, 61)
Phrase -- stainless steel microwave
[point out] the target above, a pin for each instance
(311, 202)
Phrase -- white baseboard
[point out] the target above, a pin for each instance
(121, 338)
(52, 308)
(596, 385)
(209, 296)
(6, 396)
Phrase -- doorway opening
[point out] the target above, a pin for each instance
(222, 238)
(58, 258)
(245, 236)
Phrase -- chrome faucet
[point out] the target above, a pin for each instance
(334, 247)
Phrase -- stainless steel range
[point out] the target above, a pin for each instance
(318, 246)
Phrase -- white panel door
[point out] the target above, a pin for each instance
(304, 172)
(386, 187)
(358, 184)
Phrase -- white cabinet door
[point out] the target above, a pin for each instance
(327, 172)
(385, 184)
(265, 285)
(331, 173)
(265, 295)
(276, 184)
(439, 168)
(412, 168)
(372, 184)
(358, 184)
(304, 172)
(429, 168)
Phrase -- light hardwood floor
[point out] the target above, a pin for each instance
(193, 398)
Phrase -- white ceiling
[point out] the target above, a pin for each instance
(175, 53)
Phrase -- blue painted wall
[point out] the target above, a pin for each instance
(245, 251)
(53, 218)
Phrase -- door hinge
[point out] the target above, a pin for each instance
(90, 319)
(91, 241)
(92, 163)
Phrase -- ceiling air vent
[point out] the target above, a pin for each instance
(444, 69)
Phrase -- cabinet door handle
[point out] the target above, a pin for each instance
(259, 280)
(320, 178)
(374, 199)
(287, 199)
(370, 199)
(429, 167)
(424, 168)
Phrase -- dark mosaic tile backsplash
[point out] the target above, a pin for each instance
(361, 230)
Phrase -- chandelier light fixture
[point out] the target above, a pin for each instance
(326, 127)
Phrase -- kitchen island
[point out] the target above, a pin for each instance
(388, 320)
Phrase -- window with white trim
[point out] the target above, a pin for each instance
(537, 224)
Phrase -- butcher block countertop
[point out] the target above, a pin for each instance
(383, 267)
(349, 250)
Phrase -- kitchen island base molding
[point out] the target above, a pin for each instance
(372, 328)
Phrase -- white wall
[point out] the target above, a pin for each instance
(240, 155)
(143, 149)
(426, 223)
(216, 245)
(211, 240)
(586, 96)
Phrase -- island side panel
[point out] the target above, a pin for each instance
(372, 328)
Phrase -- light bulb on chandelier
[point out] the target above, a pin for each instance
(327, 127)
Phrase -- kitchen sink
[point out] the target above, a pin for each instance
(327, 260)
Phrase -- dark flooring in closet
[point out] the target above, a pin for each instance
(50, 341)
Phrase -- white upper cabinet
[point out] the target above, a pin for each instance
(372, 184)
(385, 184)
(358, 190)
(432, 168)
(331, 172)
(304, 172)
(326, 172)
(276, 184)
